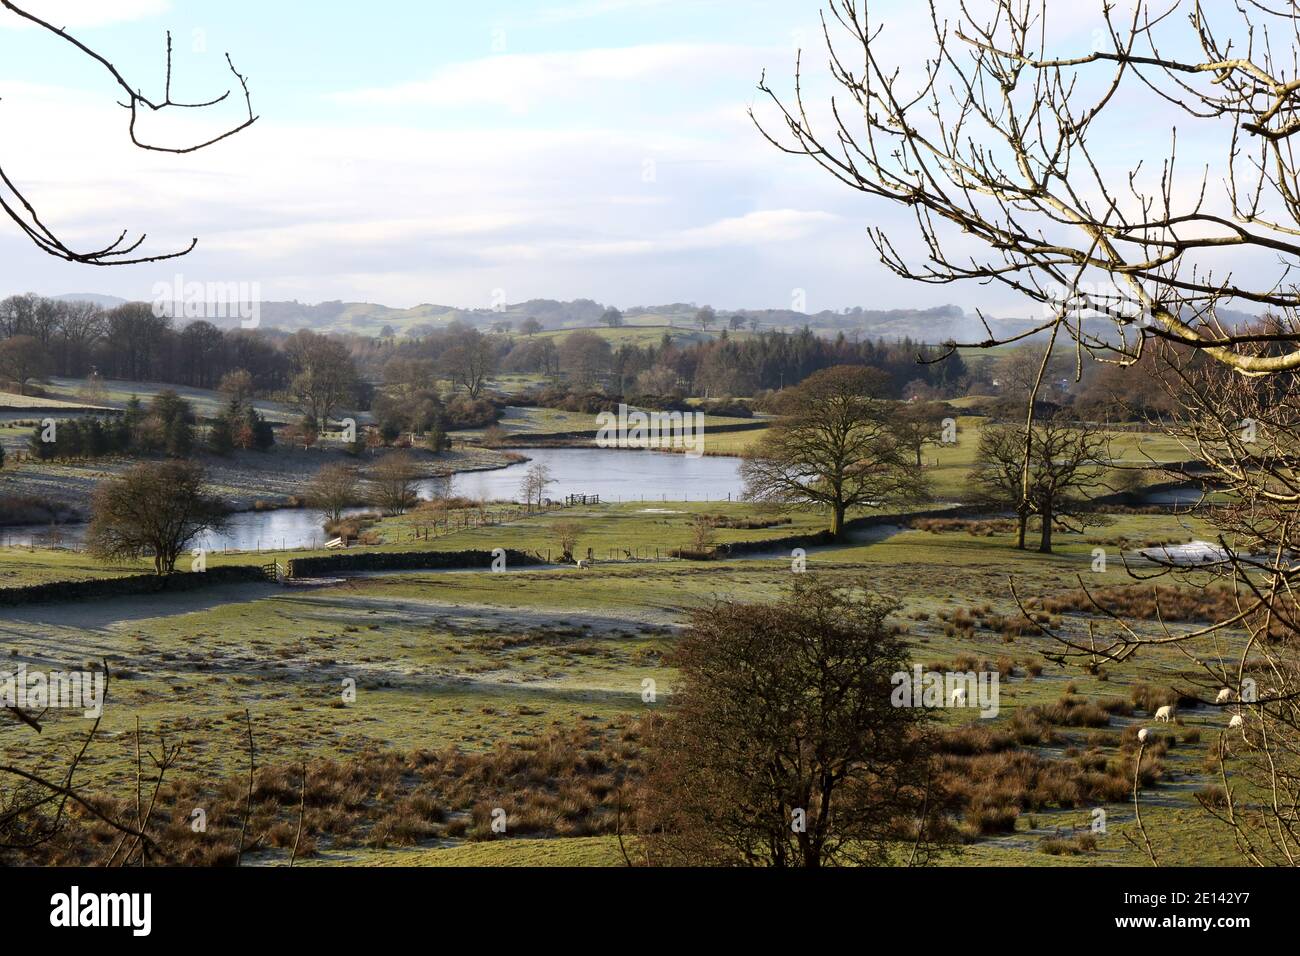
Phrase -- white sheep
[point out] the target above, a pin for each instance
(1225, 695)
(584, 565)
(1143, 734)
(959, 697)
(1237, 723)
(1165, 713)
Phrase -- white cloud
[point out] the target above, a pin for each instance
(521, 81)
(592, 8)
(83, 13)
(760, 228)
(402, 215)
(303, 237)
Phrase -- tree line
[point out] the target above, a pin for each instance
(73, 339)
(166, 426)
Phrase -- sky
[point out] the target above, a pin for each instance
(426, 151)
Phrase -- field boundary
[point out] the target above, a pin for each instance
(819, 539)
(54, 592)
(335, 564)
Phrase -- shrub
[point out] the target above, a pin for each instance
(463, 412)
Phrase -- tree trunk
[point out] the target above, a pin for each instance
(1045, 540)
(1022, 522)
(837, 520)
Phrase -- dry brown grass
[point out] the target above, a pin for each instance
(1075, 845)
(563, 783)
(1149, 603)
(990, 779)
(745, 524)
(979, 528)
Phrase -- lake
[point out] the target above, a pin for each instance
(615, 475)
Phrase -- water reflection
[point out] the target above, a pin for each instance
(614, 475)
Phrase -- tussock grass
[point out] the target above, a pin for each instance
(1149, 603)
(991, 779)
(565, 783)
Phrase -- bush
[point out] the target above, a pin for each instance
(1059, 846)
(1213, 796)
(980, 529)
(351, 527)
(464, 412)
(28, 509)
(727, 408)
(587, 401)
(693, 554)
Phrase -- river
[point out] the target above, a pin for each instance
(615, 475)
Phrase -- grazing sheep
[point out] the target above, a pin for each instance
(1237, 722)
(1225, 695)
(959, 697)
(584, 565)
(1165, 713)
(1143, 734)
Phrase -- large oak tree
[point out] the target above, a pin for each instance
(836, 444)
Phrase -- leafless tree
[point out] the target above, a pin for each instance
(470, 362)
(121, 251)
(585, 358)
(835, 445)
(1068, 462)
(326, 378)
(153, 510)
(703, 534)
(567, 534)
(21, 358)
(37, 808)
(392, 483)
(1244, 432)
(1013, 146)
(534, 484)
(332, 490)
(781, 747)
(1000, 141)
(920, 425)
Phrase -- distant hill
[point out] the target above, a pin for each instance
(94, 298)
(936, 325)
(371, 319)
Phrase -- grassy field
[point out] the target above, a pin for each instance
(949, 464)
(606, 529)
(20, 567)
(207, 403)
(480, 660)
(480, 663)
(10, 402)
(644, 331)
